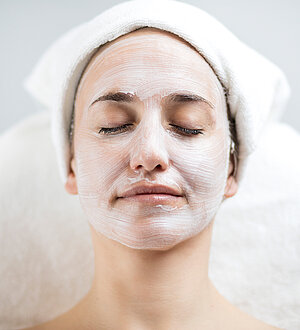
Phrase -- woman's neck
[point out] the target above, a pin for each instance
(153, 289)
(146, 290)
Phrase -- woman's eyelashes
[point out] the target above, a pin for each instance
(188, 131)
(109, 130)
(123, 128)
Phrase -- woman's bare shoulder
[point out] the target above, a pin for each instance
(37, 327)
(44, 326)
(264, 326)
(235, 319)
(247, 322)
(69, 320)
(57, 324)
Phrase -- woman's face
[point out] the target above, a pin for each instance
(166, 126)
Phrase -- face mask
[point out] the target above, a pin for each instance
(150, 113)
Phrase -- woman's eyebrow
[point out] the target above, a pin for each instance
(171, 98)
(187, 98)
(117, 97)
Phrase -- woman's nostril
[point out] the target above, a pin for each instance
(149, 159)
(148, 166)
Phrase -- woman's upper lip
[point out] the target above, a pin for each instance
(151, 189)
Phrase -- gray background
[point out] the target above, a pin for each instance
(28, 27)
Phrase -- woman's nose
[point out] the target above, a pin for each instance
(149, 153)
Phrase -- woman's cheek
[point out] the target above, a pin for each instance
(203, 168)
(96, 164)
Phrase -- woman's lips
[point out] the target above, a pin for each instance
(149, 199)
(151, 194)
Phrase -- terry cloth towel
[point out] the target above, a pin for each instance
(46, 250)
(257, 89)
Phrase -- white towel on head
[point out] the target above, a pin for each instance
(257, 89)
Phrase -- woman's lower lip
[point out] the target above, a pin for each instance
(154, 198)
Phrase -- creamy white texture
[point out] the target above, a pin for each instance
(150, 69)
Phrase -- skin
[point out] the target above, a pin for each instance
(145, 289)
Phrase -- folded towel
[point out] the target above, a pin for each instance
(255, 248)
(257, 89)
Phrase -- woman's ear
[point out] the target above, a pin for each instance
(71, 184)
(231, 185)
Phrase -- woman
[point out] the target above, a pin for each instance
(153, 156)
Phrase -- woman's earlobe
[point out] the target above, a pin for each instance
(231, 184)
(71, 183)
(231, 187)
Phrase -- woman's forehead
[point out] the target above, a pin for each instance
(148, 36)
(150, 61)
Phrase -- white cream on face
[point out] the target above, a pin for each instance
(150, 66)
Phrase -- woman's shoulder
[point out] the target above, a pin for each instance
(259, 325)
(245, 321)
(37, 327)
(43, 326)
(57, 324)
(234, 318)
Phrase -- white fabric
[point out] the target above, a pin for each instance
(257, 89)
(46, 250)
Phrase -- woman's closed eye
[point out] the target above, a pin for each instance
(123, 128)
(109, 130)
(187, 130)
